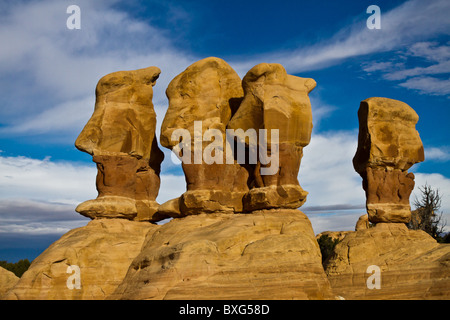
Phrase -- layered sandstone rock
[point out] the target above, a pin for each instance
(362, 223)
(202, 100)
(103, 250)
(278, 103)
(120, 136)
(7, 281)
(412, 264)
(269, 254)
(388, 145)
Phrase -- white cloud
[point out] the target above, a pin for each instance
(172, 186)
(432, 79)
(45, 180)
(377, 66)
(320, 109)
(428, 85)
(63, 117)
(437, 154)
(327, 173)
(63, 66)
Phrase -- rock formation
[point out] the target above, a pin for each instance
(274, 100)
(362, 223)
(334, 235)
(103, 250)
(7, 281)
(120, 136)
(269, 254)
(267, 248)
(412, 265)
(388, 145)
(202, 100)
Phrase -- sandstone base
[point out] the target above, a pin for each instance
(7, 281)
(286, 196)
(210, 201)
(113, 207)
(389, 212)
(103, 250)
(270, 254)
(412, 264)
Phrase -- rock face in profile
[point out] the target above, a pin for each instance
(269, 254)
(412, 265)
(278, 103)
(103, 250)
(388, 145)
(7, 281)
(202, 100)
(120, 136)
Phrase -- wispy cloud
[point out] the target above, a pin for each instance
(433, 78)
(402, 26)
(428, 85)
(437, 154)
(62, 66)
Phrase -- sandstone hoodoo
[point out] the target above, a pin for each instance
(120, 136)
(279, 103)
(201, 98)
(388, 145)
(386, 260)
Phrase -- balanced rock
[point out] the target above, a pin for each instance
(7, 281)
(388, 145)
(202, 100)
(276, 105)
(269, 254)
(389, 261)
(120, 136)
(100, 252)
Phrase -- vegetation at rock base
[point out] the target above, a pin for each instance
(17, 268)
(326, 244)
(426, 215)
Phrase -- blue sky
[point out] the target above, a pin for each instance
(48, 74)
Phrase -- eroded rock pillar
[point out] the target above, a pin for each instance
(202, 100)
(120, 136)
(388, 145)
(279, 104)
